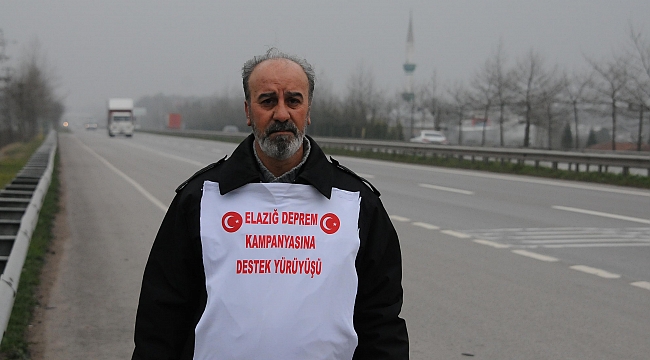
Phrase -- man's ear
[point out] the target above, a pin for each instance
(246, 110)
(309, 115)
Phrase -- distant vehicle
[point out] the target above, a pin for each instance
(120, 117)
(174, 121)
(430, 137)
(90, 126)
(230, 129)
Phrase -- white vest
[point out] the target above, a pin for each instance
(280, 272)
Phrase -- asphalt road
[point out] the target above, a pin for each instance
(495, 266)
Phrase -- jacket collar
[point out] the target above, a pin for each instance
(241, 169)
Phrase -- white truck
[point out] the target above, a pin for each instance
(120, 117)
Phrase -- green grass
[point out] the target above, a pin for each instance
(498, 167)
(14, 157)
(14, 343)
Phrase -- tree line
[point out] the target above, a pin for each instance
(28, 103)
(500, 95)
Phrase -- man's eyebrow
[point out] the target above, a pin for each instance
(267, 95)
(294, 94)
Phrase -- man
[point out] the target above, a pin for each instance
(276, 252)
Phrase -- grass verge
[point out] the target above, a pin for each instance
(14, 157)
(14, 343)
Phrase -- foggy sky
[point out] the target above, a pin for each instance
(131, 48)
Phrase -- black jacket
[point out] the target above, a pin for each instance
(173, 294)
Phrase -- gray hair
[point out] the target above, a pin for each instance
(271, 54)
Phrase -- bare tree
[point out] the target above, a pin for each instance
(326, 111)
(460, 100)
(503, 82)
(640, 89)
(364, 101)
(483, 94)
(575, 89)
(6, 133)
(33, 104)
(531, 79)
(611, 80)
(552, 109)
(430, 100)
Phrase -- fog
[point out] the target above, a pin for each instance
(101, 49)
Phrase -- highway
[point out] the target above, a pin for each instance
(495, 266)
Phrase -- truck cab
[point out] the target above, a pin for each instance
(120, 117)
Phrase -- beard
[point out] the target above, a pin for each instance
(279, 147)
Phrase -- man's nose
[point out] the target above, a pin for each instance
(281, 112)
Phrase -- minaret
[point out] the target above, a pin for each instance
(409, 68)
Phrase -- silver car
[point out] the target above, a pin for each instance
(430, 137)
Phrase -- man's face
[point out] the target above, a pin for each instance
(278, 110)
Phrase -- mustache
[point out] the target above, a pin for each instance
(282, 126)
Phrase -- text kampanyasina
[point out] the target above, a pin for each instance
(286, 217)
(306, 242)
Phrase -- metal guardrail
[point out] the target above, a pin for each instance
(577, 160)
(20, 204)
(536, 156)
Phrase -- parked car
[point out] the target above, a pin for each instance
(430, 137)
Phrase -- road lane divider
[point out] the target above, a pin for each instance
(602, 214)
(641, 284)
(535, 256)
(594, 271)
(133, 183)
(526, 253)
(444, 188)
(493, 244)
(457, 234)
(399, 218)
(426, 226)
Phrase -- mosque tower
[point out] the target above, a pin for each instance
(409, 67)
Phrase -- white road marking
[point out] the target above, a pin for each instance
(535, 255)
(642, 284)
(574, 241)
(426, 226)
(523, 179)
(602, 214)
(597, 272)
(399, 218)
(137, 186)
(565, 237)
(491, 243)
(443, 188)
(456, 234)
(593, 245)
